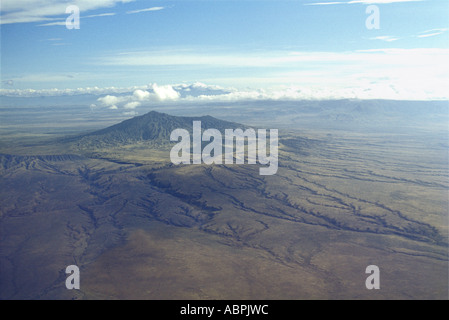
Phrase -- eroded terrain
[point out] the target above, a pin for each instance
(140, 227)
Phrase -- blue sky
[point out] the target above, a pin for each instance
(297, 49)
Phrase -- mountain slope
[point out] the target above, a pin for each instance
(153, 126)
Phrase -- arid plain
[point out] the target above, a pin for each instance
(349, 193)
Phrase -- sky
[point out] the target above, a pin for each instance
(225, 49)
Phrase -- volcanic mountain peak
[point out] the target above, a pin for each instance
(149, 127)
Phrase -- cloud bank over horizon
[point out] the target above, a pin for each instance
(129, 100)
(384, 73)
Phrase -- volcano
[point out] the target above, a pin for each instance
(152, 126)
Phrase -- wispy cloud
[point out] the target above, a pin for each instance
(23, 11)
(67, 92)
(51, 24)
(431, 33)
(385, 38)
(215, 58)
(64, 79)
(323, 3)
(420, 73)
(424, 34)
(414, 73)
(270, 59)
(8, 83)
(381, 1)
(366, 2)
(62, 22)
(145, 10)
(108, 14)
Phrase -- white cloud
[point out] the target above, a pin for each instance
(385, 38)
(183, 57)
(323, 3)
(416, 84)
(382, 1)
(109, 100)
(65, 92)
(62, 22)
(22, 11)
(145, 10)
(51, 24)
(50, 77)
(366, 2)
(274, 59)
(165, 93)
(198, 88)
(135, 97)
(141, 95)
(431, 33)
(108, 14)
(131, 105)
